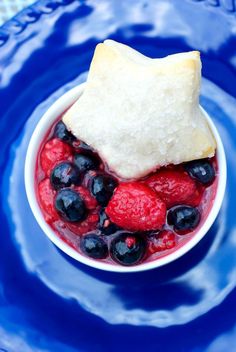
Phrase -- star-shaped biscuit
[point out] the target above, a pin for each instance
(141, 113)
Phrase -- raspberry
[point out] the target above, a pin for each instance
(136, 207)
(46, 198)
(89, 224)
(89, 200)
(53, 152)
(162, 241)
(175, 187)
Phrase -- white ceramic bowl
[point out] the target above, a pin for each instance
(42, 127)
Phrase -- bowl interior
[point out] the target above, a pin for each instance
(39, 133)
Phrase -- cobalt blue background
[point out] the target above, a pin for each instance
(48, 302)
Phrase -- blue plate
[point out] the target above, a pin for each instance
(49, 302)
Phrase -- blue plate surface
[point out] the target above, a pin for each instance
(48, 302)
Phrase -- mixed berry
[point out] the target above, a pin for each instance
(113, 220)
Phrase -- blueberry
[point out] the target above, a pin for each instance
(128, 248)
(94, 246)
(61, 132)
(201, 170)
(105, 225)
(64, 175)
(83, 147)
(70, 205)
(102, 188)
(86, 162)
(183, 218)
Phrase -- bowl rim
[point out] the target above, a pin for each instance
(55, 110)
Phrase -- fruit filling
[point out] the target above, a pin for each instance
(107, 218)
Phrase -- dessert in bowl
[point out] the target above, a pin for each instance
(126, 172)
